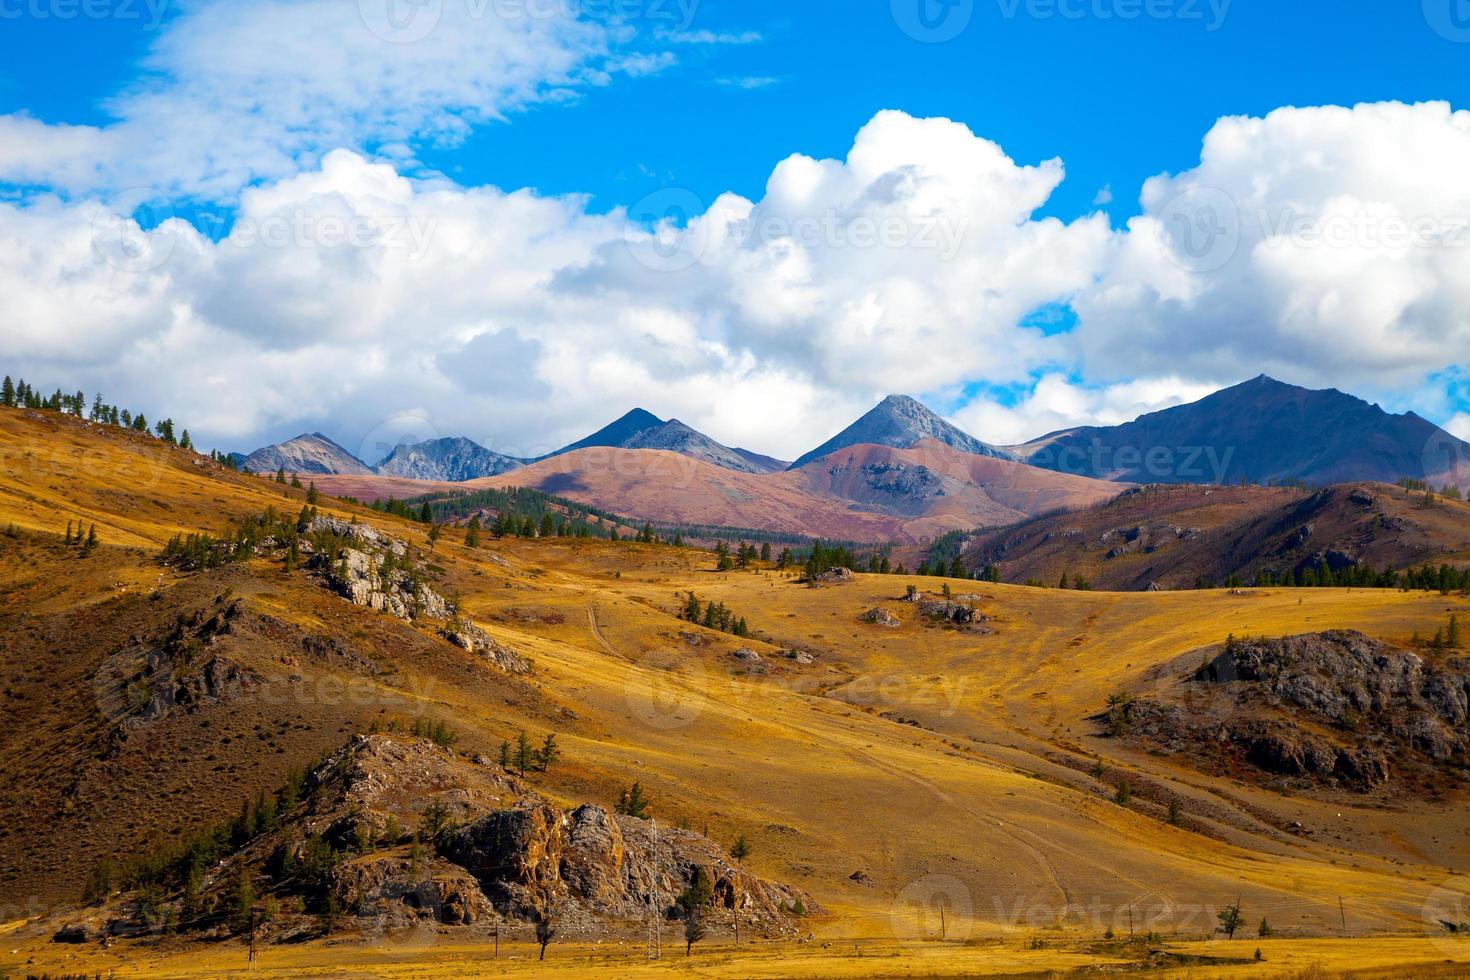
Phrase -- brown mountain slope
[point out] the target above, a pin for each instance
(861, 493)
(1177, 535)
(878, 770)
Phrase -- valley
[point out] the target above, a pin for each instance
(988, 736)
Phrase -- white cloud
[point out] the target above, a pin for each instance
(236, 92)
(350, 294)
(706, 37)
(748, 82)
(1330, 244)
(1459, 425)
(1057, 403)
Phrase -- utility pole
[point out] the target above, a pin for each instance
(1342, 911)
(943, 931)
(655, 937)
(497, 939)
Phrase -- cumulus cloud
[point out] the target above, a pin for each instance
(352, 298)
(1059, 403)
(1328, 244)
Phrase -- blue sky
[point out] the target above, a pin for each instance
(1118, 99)
(199, 102)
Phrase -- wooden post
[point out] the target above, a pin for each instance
(1342, 911)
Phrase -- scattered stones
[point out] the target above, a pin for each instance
(881, 617)
(752, 660)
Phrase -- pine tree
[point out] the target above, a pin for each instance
(472, 533)
(7, 392)
(740, 850)
(91, 541)
(633, 803)
(435, 530)
(548, 526)
(185, 442)
(426, 514)
(549, 754)
(312, 496)
(505, 756)
(1452, 638)
(525, 754)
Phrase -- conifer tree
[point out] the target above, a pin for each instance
(549, 754)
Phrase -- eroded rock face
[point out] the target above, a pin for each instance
(1326, 708)
(374, 570)
(467, 636)
(615, 866)
(836, 576)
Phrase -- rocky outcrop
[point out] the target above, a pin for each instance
(614, 866)
(881, 617)
(952, 612)
(836, 576)
(445, 460)
(467, 636)
(371, 569)
(1336, 708)
(398, 832)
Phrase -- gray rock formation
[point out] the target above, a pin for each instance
(445, 460)
(467, 636)
(900, 421)
(306, 454)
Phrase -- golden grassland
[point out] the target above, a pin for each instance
(902, 770)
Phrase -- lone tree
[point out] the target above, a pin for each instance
(545, 926)
(693, 930)
(740, 850)
(1230, 919)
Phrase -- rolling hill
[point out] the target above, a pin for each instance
(1174, 536)
(862, 493)
(879, 768)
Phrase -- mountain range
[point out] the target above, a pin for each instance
(1261, 431)
(902, 471)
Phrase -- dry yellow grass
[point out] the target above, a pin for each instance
(904, 769)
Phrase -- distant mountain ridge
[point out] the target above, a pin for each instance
(1260, 431)
(901, 422)
(448, 460)
(309, 453)
(641, 429)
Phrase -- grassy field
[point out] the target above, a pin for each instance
(900, 771)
